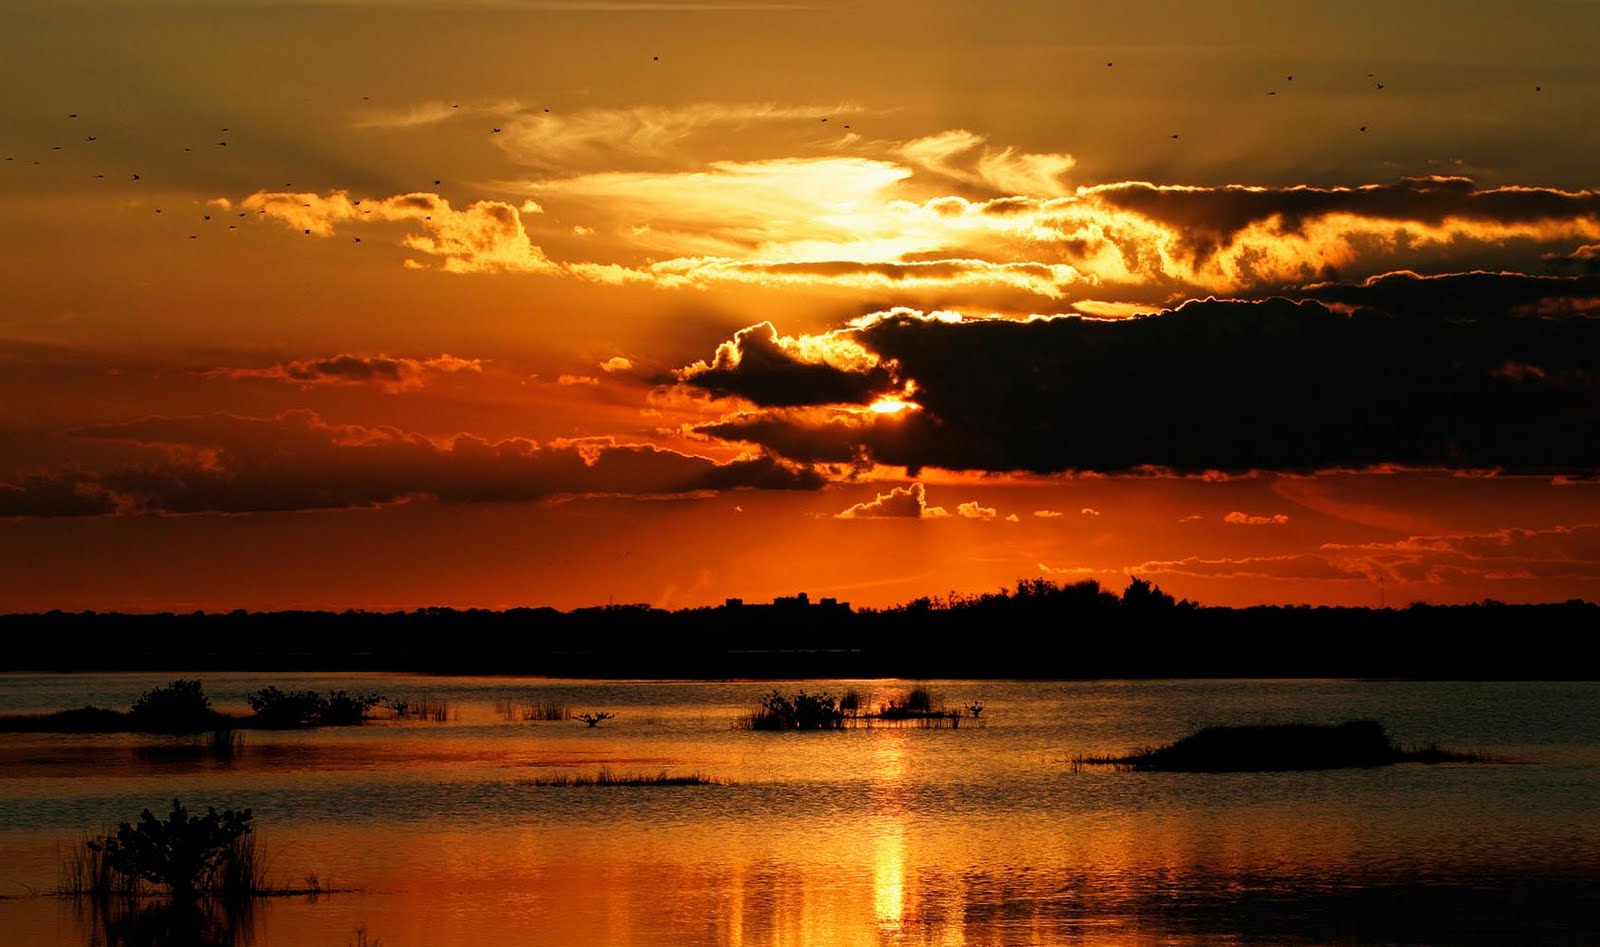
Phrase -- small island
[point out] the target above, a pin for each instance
(1281, 747)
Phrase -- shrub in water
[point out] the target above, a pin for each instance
(279, 708)
(180, 707)
(801, 712)
(343, 708)
(184, 853)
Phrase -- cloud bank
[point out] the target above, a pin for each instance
(1404, 378)
(224, 463)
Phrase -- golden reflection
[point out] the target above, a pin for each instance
(889, 875)
(889, 830)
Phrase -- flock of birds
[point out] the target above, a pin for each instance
(222, 142)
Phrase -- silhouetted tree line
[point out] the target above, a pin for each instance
(1038, 629)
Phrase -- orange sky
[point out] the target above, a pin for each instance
(384, 303)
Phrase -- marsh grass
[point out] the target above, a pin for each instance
(424, 708)
(84, 871)
(533, 710)
(606, 777)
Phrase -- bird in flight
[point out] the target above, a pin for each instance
(1174, 137)
(136, 177)
(497, 131)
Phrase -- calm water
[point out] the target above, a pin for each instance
(978, 835)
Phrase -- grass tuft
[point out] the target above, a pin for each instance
(606, 777)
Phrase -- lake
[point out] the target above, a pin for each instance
(981, 834)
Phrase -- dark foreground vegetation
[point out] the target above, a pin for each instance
(184, 879)
(1277, 747)
(1039, 629)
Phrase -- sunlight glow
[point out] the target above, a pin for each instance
(890, 404)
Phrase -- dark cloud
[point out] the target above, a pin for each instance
(68, 493)
(1476, 295)
(383, 371)
(228, 464)
(1586, 258)
(1228, 386)
(1209, 217)
(756, 366)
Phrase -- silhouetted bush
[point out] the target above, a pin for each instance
(185, 854)
(801, 712)
(180, 707)
(279, 708)
(343, 708)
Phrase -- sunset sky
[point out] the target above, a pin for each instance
(388, 303)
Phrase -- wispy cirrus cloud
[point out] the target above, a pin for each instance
(569, 142)
(483, 237)
(1480, 563)
(434, 112)
(1510, 554)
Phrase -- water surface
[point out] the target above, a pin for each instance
(983, 834)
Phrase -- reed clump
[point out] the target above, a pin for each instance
(533, 710)
(423, 708)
